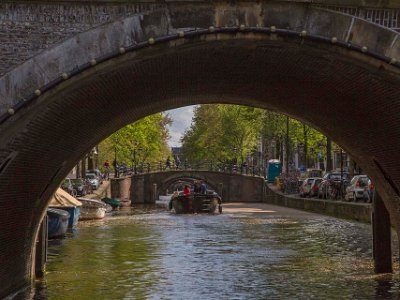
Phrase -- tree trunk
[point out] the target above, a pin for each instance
(352, 166)
(329, 165)
(83, 167)
(90, 161)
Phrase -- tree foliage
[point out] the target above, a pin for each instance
(147, 138)
(221, 132)
(217, 130)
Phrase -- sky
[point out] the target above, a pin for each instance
(182, 118)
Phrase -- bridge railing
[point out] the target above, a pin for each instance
(162, 166)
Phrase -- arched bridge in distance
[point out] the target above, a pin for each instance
(75, 71)
(231, 186)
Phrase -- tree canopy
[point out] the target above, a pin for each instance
(229, 133)
(146, 140)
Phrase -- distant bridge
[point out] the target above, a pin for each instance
(231, 186)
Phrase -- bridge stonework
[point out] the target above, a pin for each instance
(28, 28)
(231, 187)
(110, 63)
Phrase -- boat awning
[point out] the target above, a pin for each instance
(62, 199)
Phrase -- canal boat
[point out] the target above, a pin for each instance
(92, 209)
(57, 222)
(196, 203)
(62, 200)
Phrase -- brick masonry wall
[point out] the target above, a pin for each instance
(27, 29)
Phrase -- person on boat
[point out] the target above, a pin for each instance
(168, 163)
(186, 190)
(197, 187)
(203, 188)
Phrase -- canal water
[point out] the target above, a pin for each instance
(253, 251)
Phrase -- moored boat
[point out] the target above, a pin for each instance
(62, 200)
(57, 222)
(196, 203)
(92, 209)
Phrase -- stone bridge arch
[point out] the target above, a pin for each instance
(190, 177)
(231, 187)
(292, 58)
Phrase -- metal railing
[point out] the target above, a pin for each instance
(385, 17)
(162, 166)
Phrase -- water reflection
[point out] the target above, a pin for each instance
(261, 252)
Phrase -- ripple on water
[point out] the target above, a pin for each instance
(243, 254)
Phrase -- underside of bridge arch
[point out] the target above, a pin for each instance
(165, 185)
(351, 97)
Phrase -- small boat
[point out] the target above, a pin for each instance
(196, 203)
(92, 209)
(115, 203)
(164, 201)
(62, 200)
(58, 222)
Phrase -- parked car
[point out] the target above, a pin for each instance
(80, 186)
(98, 174)
(315, 187)
(305, 188)
(329, 179)
(357, 187)
(94, 181)
(67, 186)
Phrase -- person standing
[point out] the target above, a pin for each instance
(168, 163)
(186, 190)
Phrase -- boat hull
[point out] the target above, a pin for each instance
(196, 204)
(93, 213)
(57, 222)
(92, 209)
(74, 213)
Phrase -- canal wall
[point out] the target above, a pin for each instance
(345, 210)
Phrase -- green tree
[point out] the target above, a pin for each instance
(147, 137)
(217, 130)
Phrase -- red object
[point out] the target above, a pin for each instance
(186, 191)
(107, 164)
